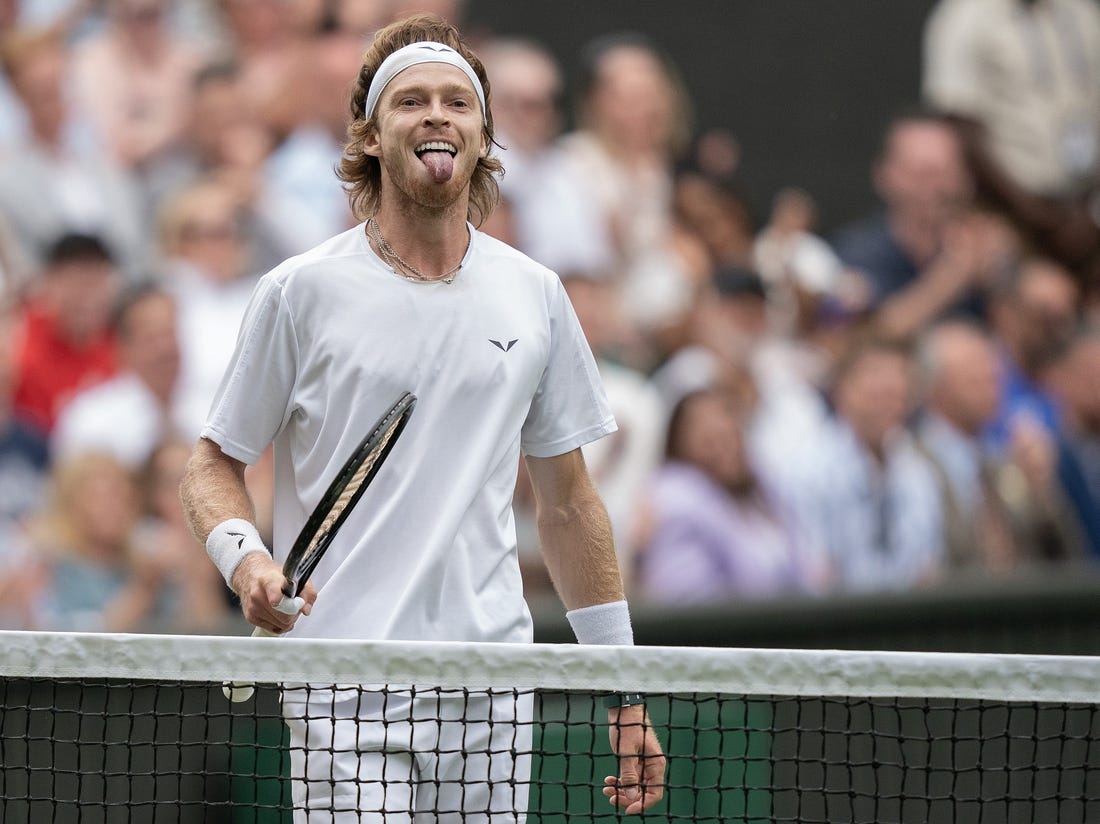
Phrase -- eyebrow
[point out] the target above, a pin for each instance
(447, 88)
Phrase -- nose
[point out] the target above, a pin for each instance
(436, 112)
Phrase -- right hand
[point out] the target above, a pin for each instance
(258, 582)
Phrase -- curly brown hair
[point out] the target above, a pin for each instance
(362, 173)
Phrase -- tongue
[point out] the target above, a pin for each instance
(440, 164)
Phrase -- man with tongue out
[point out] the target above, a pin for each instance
(416, 299)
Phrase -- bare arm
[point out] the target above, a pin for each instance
(213, 491)
(976, 248)
(575, 534)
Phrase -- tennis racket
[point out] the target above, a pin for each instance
(328, 516)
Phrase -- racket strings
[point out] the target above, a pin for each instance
(346, 497)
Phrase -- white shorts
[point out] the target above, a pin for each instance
(402, 758)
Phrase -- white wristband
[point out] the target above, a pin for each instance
(229, 542)
(602, 624)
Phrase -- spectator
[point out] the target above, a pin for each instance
(221, 132)
(266, 47)
(633, 126)
(225, 141)
(133, 79)
(299, 173)
(716, 531)
(1021, 76)
(13, 120)
(555, 222)
(143, 394)
(65, 342)
(717, 213)
(1034, 312)
(865, 488)
(1073, 382)
(206, 268)
(24, 455)
(928, 253)
(999, 511)
(729, 344)
(24, 460)
(362, 17)
(452, 11)
(54, 181)
(98, 579)
(196, 598)
(726, 321)
(800, 269)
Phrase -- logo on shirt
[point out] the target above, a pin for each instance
(503, 347)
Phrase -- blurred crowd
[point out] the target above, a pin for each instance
(910, 400)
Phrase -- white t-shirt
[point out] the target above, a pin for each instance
(499, 364)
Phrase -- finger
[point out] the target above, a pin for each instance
(625, 797)
(623, 790)
(309, 592)
(273, 591)
(636, 795)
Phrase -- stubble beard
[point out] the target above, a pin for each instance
(434, 197)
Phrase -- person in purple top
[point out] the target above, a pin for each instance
(716, 529)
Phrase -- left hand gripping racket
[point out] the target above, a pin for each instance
(329, 515)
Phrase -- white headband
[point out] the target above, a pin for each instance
(423, 52)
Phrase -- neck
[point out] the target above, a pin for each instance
(432, 240)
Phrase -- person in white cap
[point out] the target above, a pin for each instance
(416, 299)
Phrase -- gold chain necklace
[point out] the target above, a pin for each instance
(398, 264)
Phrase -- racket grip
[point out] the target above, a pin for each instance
(287, 606)
(242, 691)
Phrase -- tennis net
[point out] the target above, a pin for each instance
(123, 728)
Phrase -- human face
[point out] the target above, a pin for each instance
(923, 174)
(1082, 387)
(428, 136)
(150, 343)
(969, 388)
(1046, 311)
(211, 237)
(873, 397)
(633, 103)
(711, 438)
(81, 294)
(526, 91)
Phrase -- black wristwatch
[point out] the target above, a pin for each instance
(623, 699)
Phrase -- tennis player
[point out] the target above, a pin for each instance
(416, 299)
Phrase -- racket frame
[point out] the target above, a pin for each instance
(298, 565)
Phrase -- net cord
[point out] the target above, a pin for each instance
(1045, 678)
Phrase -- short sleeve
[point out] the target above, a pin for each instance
(253, 402)
(570, 407)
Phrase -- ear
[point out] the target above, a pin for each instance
(372, 144)
(484, 150)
